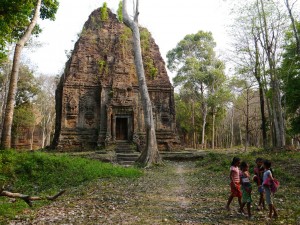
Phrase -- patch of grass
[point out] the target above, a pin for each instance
(38, 173)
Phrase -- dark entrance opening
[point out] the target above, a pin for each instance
(121, 128)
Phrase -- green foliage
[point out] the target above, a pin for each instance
(183, 108)
(28, 87)
(15, 17)
(104, 12)
(145, 40)
(124, 37)
(126, 34)
(120, 12)
(150, 68)
(290, 68)
(41, 173)
(199, 46)
(102, 67)
(200, 75)
(24, 117)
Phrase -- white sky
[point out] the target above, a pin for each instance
(167, 20)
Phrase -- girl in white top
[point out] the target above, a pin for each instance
(268, 175)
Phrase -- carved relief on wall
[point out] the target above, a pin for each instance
(165, 112)
(122, 92)
(88, 109)
(72, 106)
(71, 110)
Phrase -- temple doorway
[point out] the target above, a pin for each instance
(121, 128)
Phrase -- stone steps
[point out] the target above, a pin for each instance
(126, 153)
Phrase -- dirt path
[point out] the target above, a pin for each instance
(177, 193)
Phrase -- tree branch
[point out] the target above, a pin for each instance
(27, 198)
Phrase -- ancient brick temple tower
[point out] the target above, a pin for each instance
(98, 101)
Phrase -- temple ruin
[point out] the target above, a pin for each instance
(98, 101)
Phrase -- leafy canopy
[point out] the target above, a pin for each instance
(15, 16)
(290, 68)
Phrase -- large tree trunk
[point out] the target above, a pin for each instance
(3, 98)
(193, 124)
(240, 134)
(150, 154)
(204, 115)
(213, 129)
(270, 49)
(9, 110)
(257, 74)
(247, 121)
(231, 130)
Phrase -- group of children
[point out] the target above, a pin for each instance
(240, 183)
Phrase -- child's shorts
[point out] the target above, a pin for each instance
(236, 189)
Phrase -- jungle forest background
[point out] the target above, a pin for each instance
(256, 103)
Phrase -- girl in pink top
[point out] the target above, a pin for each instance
(235, 184)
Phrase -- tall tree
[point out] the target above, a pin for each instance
(197, 67)
(272, 30)
(150, 154)
(245, 100)
(248, 55)
(4, 83)
(46, 10)
(291, 82)
(26, 117)
(258, 33)
(45, 103)
(219, 94)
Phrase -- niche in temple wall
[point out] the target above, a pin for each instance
(71, 111)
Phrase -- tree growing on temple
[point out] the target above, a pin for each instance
(150, 154)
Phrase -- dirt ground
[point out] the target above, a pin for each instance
(176, 193)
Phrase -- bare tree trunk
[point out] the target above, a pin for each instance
(9, 110)
(257, 74)
(270, 49)
(32, 136)
(213, 129)
(231, 138)
(247, 121)
(240, 132)
(204, 115)
(150, 154)
(193, 124)
(43, 138)
(3, 102)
